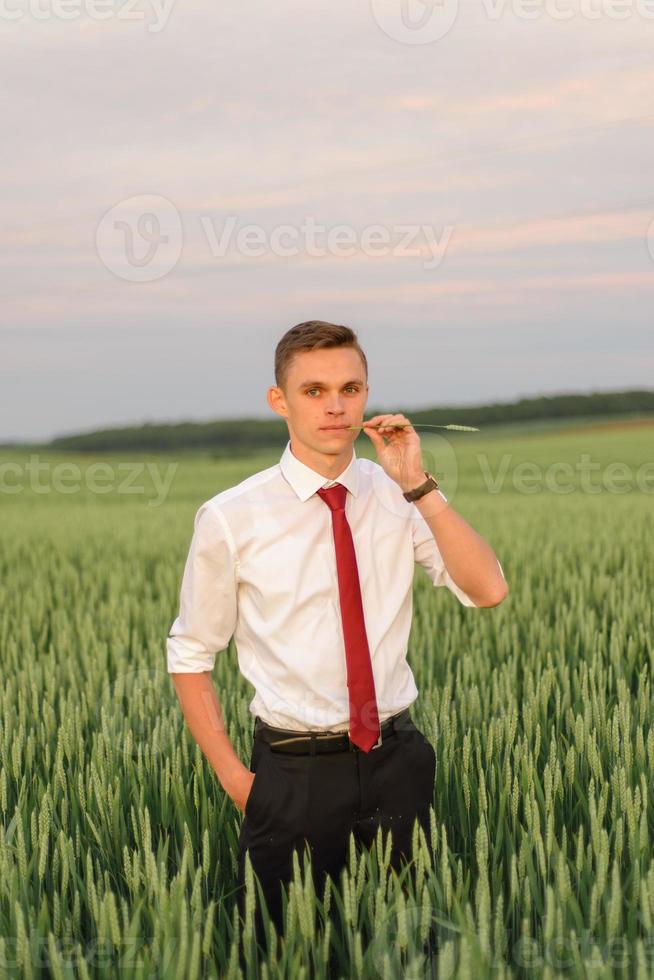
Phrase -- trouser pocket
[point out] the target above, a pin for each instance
(259, 767)
(420, 752)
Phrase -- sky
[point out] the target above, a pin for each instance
(463, 182)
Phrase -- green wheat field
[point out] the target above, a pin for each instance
(117, 842)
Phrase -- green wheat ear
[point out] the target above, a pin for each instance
(427, 425)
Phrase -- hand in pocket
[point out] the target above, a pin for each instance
(243, 789)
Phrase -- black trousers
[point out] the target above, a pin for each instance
(319, 800)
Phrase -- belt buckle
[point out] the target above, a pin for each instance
(287, 741)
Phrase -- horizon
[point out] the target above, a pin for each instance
(273, 417)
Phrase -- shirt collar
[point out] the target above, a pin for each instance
(306, 481)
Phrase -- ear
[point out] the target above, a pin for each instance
(275, 398)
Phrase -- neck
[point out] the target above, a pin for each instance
(329, 465)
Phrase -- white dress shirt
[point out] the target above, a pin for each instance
(262, 567)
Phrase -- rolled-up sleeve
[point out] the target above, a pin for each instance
(428, 555)
(208, 596)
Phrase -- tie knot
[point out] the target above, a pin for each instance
(334, 496)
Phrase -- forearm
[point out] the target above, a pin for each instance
(203, 715)
(469, 559)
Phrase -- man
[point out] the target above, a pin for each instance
(309, 564)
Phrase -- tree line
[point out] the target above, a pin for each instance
(244, 435)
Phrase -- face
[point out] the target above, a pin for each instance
(324, 388)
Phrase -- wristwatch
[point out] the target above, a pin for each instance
(431, 483)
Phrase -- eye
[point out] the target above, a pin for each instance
(351, 387)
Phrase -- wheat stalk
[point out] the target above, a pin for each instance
(417, 425)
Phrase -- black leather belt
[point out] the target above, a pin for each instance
(311, 743)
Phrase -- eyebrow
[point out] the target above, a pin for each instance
(320, 384)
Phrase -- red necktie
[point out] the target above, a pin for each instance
(364, 720)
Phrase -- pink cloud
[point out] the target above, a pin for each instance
(604, 226)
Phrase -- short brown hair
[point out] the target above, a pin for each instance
(312, 335)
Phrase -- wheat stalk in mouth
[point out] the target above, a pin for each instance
(417, 425)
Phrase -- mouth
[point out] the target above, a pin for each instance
(333, 428)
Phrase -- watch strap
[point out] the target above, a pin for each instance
(431, 483)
